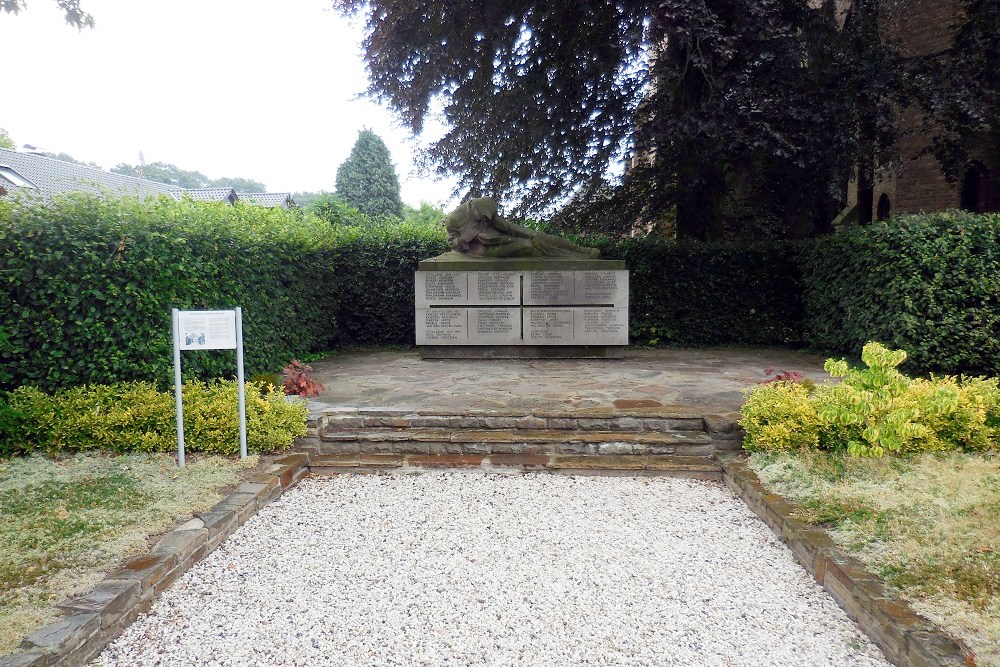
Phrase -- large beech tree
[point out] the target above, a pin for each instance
(759, 104)
(959, 89)
(75, 15)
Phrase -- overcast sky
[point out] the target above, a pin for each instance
(250, 88)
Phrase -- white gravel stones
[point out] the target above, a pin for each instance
(467, 568)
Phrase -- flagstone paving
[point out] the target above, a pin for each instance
(711, 380)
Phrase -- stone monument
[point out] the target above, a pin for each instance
(510, 292)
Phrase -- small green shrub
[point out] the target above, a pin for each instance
(11, 422)
(875, 410)
(136, 417)
(779, 415)
(211, 424)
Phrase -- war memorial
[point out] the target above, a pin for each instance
(510, 292)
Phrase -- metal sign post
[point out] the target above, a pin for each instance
(208, 330)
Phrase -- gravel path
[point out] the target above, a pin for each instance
(466, 568)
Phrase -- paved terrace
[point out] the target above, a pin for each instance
(709, 380)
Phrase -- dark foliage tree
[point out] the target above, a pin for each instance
(164, 172)
(726, 99)
(336, 211)
(238, 184)
(74, 14)
(959, 89)
(66, 157)
(305, 200)
(367, 179)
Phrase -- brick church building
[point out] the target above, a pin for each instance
(915, 182)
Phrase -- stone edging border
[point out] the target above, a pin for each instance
(906, 638)
(90, 622)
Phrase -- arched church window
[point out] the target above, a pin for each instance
(975, 188)
(884, 207)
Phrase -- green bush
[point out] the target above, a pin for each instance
(88, 285)
(929, 284)
(875, 410)
(375, 280)
(136, 417)
(691, 294)
(11, 426)
(779, 415)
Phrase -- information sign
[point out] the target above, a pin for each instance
(208, 330)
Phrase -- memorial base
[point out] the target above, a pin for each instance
(522, 351)
(520, 308)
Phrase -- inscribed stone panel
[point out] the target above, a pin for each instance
(601, 326)
(549, 288)
(442, 326)
(441, 288)
(494, 326)
(601, 287)
(548, 326)
(494, 288)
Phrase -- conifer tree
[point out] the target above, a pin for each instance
(367, 179)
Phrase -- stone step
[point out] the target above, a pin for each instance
(696, 467)
(351, 420)
(514, 441)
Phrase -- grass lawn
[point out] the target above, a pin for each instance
(65, 523)
(929, 525)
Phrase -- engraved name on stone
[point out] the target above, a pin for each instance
(548, 287)
(441, 288)
(494, 326)
(494, 287)
(491, 321)
(602, 326)
(548, 326)
(443, 325)
(602, 287)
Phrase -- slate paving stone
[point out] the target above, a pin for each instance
(710, 380)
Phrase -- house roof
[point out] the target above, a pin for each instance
(268, 199)
(47, 176)
(227, 195)
(44, 177)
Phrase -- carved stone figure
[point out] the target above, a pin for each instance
(475, 228)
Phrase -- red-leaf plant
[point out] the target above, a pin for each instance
(776, 375)
(297, 383)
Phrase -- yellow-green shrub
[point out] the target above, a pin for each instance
(779, 415)
(875, 410)
(210, 416)
(976, 423)
(134, 416)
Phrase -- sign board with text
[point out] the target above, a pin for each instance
(208, 330)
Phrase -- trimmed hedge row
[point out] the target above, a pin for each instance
(692, 294)
(375, 281)
(928, 284)
(86, 288)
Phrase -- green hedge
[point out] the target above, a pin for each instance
(693, 294)
(929, 284)
(86, 287)
(375, 283)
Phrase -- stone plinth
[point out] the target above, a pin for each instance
(521, 307)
